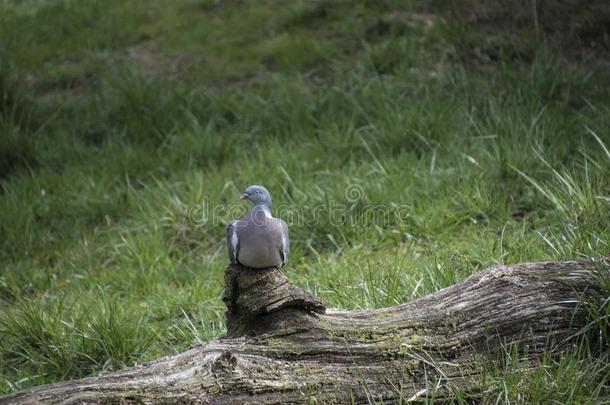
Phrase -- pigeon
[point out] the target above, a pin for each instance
(258, 240)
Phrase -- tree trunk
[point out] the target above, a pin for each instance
(283, 346)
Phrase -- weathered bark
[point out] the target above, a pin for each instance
(284, 347)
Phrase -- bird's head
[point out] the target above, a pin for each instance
(258, 195)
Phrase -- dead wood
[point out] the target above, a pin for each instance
(283, 346)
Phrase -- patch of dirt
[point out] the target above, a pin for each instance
(65, 88)
(152, 63)
(581, 29)
(398, 23)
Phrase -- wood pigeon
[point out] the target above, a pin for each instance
(258, 240)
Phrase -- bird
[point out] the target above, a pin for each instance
(258, 240)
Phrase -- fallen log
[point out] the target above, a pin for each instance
(283, 345)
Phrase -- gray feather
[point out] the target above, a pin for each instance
(232, 242)
(285, 248)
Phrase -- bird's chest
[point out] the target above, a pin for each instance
(258, 247)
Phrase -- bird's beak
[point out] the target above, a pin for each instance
(244, 196)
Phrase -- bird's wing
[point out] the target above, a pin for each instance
(232, 242)
(285, 247)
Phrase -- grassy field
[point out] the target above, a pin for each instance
(129, 129)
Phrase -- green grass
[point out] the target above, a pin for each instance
(122, 124)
